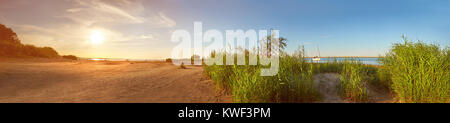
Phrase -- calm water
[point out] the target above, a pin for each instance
(371, 61)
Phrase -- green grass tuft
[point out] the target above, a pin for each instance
(419, 72)
(293, 83)
(353, 81)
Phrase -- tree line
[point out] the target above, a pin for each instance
(11, 46)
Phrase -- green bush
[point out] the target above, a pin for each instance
(328, 67)
(419, 72)
(383, 78)
(293, 83)
(353, 78)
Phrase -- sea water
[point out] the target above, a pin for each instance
(370, 61)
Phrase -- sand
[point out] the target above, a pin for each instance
(123, 82)
(44, 80)
(328, 86)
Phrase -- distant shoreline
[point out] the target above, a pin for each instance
(346, 57)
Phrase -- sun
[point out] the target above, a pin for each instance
(97, 37)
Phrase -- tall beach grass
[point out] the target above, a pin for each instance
(293, 83)
(419, 72)
(353, 80)
(412, 71)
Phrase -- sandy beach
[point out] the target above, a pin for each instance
(66, 81)
(59, 80)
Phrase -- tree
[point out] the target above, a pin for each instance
(282, 43)
(10, 46)
(9, 43)
(7, 35)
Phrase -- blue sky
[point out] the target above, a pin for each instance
(142, 28)
(339, 28)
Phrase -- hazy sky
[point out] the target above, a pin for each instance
(142, 28)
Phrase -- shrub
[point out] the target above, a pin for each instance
(169, 60)
(193, 58)
(352, 84)
(419, 71)
(182, 66)
(293, 83)
(71, 57)
(383, 78)
(328, 67)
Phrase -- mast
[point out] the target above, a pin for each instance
(317, 46)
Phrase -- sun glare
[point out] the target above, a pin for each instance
(97, 37)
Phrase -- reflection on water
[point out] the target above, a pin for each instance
(120, 59)
(370, 61)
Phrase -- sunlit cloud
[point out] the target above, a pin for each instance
(89, 12)
(125, 12)
(69, 29)
(148, 36)
(164, 21)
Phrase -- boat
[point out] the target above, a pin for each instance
(317, 58)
